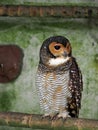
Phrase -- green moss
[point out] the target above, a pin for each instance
(44, 2)
(4, 26)
(96, 58)
(6, 98)
(13, 128)
(95, 63)
(59, 23)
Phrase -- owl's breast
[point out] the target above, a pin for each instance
(53, 90)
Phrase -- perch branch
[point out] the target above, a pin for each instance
(36, 121)
(49, 11)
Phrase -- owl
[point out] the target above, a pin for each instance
(59, 79)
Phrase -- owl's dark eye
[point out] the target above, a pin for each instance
(57, 47)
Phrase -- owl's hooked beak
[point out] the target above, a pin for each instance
(65, 54)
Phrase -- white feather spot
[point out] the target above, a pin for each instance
(58, 61)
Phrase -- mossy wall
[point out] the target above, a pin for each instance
(29, 33)
(52, 2)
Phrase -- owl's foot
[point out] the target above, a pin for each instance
(63, 115)
(50, 116)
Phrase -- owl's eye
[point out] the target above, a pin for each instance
(57, 47)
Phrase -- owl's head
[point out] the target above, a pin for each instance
(55, 51)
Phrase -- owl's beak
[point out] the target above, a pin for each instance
(65, 54)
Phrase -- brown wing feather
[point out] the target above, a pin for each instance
(75, 86)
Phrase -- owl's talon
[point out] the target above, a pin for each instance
(45, 116)
(50, 116)
(53, 117)
(63, 115)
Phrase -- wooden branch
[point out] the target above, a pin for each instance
(36, 121)
(49, 11)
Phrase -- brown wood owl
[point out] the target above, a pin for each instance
(59, 79)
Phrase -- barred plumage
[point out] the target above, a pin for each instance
(53, 91)
(59, 78)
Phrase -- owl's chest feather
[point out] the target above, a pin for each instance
(53, 90)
